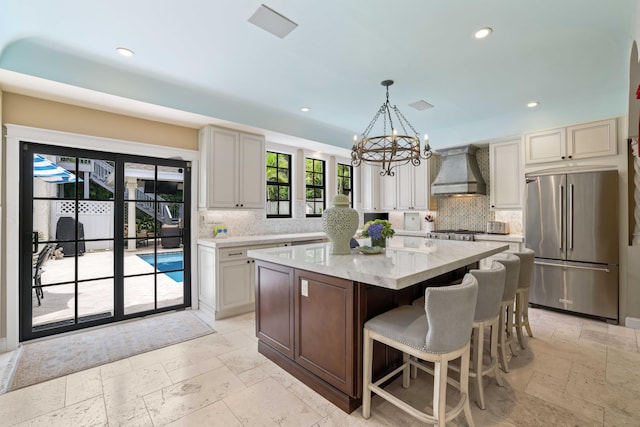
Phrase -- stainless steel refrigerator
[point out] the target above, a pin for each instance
(572, 225)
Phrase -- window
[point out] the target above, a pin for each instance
(278, 185)
(345, 181)
(315, 187)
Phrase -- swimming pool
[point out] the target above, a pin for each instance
(168, 262)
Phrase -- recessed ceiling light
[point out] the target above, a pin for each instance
(533, 104)
(305, 109)
(482, 32)
(124, 51)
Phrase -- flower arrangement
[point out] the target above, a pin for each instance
(429, 218)
(378, 229)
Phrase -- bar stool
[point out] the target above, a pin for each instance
(438, 332)
(487, 314)
(522, 294)
(512, 265)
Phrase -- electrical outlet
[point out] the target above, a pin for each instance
(203, 216)
(304, 288)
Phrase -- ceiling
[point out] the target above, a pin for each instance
(201, 61)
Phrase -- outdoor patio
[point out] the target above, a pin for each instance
(96, 297)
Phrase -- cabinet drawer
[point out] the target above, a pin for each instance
(232, 254)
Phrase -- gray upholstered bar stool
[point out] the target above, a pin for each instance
(522, 294)
(512, 265)
(487, 314)
(438, 332)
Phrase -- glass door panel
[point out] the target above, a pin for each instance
(139, 294)
(105, 236)
(96, 300)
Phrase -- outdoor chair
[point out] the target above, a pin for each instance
(38, 269)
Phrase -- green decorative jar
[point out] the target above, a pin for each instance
(340, 223)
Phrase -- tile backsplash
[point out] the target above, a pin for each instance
(473, 212)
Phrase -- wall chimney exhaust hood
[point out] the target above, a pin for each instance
(459, 173)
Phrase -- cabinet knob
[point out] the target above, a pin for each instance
(562, 157)
(237, 205)
(248, 261)
(570, 157)
(241, 205)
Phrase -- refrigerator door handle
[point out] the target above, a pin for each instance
(560, 212)
(570, 217)
(577, 267)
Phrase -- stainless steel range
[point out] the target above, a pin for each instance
(467, 235)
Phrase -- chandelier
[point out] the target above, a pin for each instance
(390, 149)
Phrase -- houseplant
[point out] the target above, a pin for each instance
(379, 230)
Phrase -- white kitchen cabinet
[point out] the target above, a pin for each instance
(582, 141)
(236, 279)
(226, 279)
(369, 187)
(388, 191)
(545, 146)
(231, 163)
(206, 278)
(409, 189)
(595, 139)
(506, 175)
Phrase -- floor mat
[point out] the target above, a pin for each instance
(52, 358)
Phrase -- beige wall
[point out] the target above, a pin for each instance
(40, 113)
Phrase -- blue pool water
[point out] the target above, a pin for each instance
(168, 263)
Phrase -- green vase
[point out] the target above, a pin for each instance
(379, 242)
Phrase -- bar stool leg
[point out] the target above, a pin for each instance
(464, 388)
(367, 357)
(478, 351)
(525, 312)
(502, 347)
(440, 389)
(495, 330)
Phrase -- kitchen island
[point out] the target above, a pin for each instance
(311, 305)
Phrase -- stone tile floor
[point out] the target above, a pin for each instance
(575, 372)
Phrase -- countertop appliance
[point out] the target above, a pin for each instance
(467, 235)
(497, 227)
(572, 225)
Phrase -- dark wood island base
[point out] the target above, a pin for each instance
(310, 325)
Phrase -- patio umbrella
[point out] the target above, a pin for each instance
(48, 171)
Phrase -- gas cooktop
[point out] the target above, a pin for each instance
(458, 234)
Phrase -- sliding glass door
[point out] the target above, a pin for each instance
(104, 237)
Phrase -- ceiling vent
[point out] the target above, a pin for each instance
(459, 173)
(420, 105)
(272, 22)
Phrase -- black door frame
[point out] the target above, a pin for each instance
(27, 149)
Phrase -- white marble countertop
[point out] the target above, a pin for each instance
(406, 261)
(519, 238)
(230, 242)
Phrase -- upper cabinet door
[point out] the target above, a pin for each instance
(595, 139)
(223, 159)
(506, 177)
(545, 146)
(252, 179)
